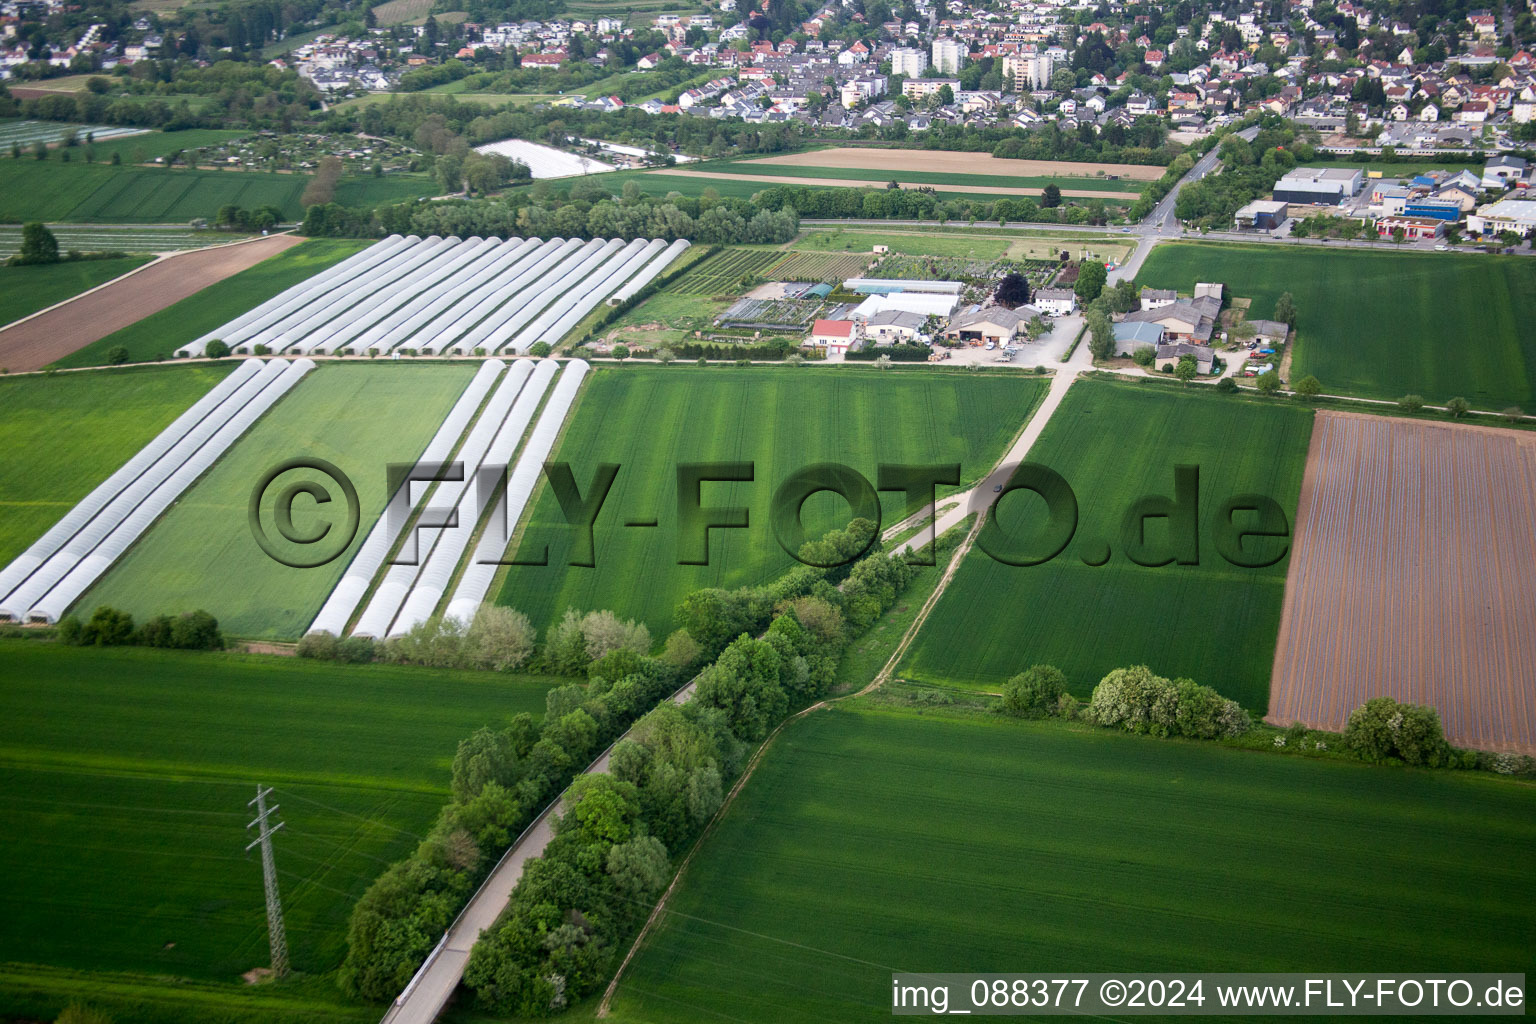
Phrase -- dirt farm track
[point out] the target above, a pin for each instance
(1411, 577)
(33, 343)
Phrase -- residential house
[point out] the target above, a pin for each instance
(1055, 301)
(1156, 298)
(836, 336)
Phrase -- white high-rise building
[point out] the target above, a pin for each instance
(909, 61)
(948, 55)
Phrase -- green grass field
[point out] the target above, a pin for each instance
(938, 179)
(1383, 324)
(727, 185)
(650, 419)
(157, 335)
(873, 841)
(1114, 442)
(124, 777)
(360, 417)
(25, 290)
(65, 434)
(101, 194)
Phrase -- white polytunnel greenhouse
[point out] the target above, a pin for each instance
(446, 296)
(338, 608)
(453, 542)
(48, 591)
(481, 571)
(87, 508)
(385, 604)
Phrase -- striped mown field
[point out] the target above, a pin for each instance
(1411, 578)
(1116, 442)
(874, 840)
(124, 778)
(652, 419)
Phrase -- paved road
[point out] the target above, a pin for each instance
(429, 991)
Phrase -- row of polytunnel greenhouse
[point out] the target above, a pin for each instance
(447, 296)
(412, 588)
(42, 582)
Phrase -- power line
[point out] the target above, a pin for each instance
(263, 839)
(290, 794)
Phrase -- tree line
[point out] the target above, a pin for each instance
(766, 649)
(575, 907)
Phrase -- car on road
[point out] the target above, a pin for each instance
(1440, 248)
(1125, 231)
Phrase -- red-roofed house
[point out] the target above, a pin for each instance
(836, 336)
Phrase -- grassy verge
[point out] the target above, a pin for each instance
(25, 290)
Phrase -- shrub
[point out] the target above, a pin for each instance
(1513, 414)
(1034, 693)
(107, 627)
(1308, 387)
(216, 349)
(1138, 700)
(117, 355)
(321, 646)
(499, 638)
(665, 355)
(681, 650)
(539, 349)
(1382, 730)
(1226, 385)
(261, 350)
(1458, 407)
(1410, 403)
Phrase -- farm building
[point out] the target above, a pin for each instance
(894, 325)
(1270, 330)
(1261, 215)
(1205, 356)
(1192, 320)
(836, 336)
(993, 324)
(1413, 227)
(1156, 298)
(1131, 336)
(1056, 301)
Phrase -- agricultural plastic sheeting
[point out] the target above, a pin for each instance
(447, 323)
(476, 581)
(270, 331)
(84, 541)
(464, 259)
(241, 327)
(583, 298)
(615, 255)
(342, 300)
(338, 608)
(404, 321)
(651, 271)
(540, 293)
(438, 571)
(381, 608)
(80, 579)
(484, 318)
(86, 508)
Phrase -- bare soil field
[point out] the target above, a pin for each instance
(52, 335)
(986, 190)
(957, 163)
(1411, 578)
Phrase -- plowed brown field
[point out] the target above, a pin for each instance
(1412, 577)
(34, 343)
